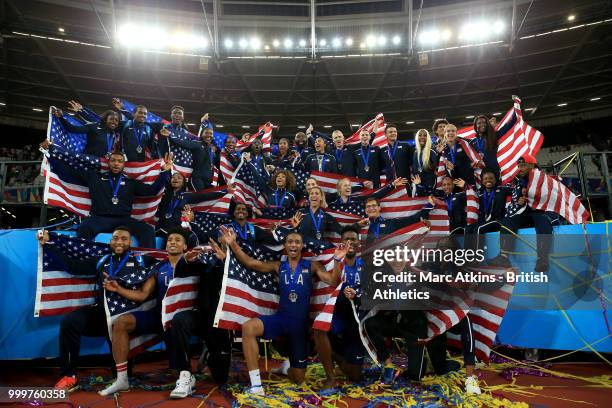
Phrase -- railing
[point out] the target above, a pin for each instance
(20, 183)
(587, 186)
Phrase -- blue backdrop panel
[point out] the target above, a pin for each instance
(24, 336)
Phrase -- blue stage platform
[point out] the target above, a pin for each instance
(23, 336)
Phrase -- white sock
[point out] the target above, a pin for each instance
(121, 383)
(255, 378)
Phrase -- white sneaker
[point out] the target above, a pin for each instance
(185, 385)
(256, 390)
(117, 386)
(283, 369)
(471, 385)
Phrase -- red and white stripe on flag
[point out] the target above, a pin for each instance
(519, 139)
(472, 205)
(180, 296)
(486, 314)
(76, 199)
(219, 205)
(264, 132)
(549, 194)
(379, 138)
(227, 169)
(328, 181)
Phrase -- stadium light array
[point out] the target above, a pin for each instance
(159, 38)
(595, 99)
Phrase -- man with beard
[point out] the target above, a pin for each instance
(348, 351)
(296, 282)
(138, 135)
(90, 320)
(301, 145)
(112, 195)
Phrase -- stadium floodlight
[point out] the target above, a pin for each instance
(245, 126)
(430, 37)
(243, 43)
(322, 42)
(362, 45)
(475, 31)
(349, 41)
(267, 47)
(382, 40)
(396, 39)
(255, 43)
(562, 104)
(183, 40)
(276, 43)
(219, 126)
(327, 126)
(336, 42)
(355, 125)
(37, 109)
(410, 122)
(571, 17)
(371, 40)
(496, 113)
(127, 34)
(595, 99)
(446, 34)
(498, 27)
(470, 117)
(229, 43)
(288, 43)
(61, 29)
(302, 43)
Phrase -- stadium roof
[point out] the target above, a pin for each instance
(248, 61)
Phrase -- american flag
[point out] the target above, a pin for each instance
(151, 117)
(227, 169)
(246, 189)
(549, 194)
(208, 223)
(486, 313)
(379, 138)
(246, 294)
(218, 204)
(520, 138)
(472, 205)
(264, 133)
(180, 296)
(327, 181)
(57, 134)
(116, 305)
(484, 308)
(63, 190)
(57, 291)
(299, 172)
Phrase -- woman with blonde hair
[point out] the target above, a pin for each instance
(424, 161)
(312, 221)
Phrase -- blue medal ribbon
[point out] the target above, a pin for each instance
(111, 272)
(376, 229)
(479, 144)
(173, 204)
(115, 187)
(138, 134)
(366, 159)
(449, 203)
(452, 152)
(317, 225)
(293, 275)
(339, 158)
(394, 150)
(242, 233)
(110, 140)
(276, 198)
(488, 202)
